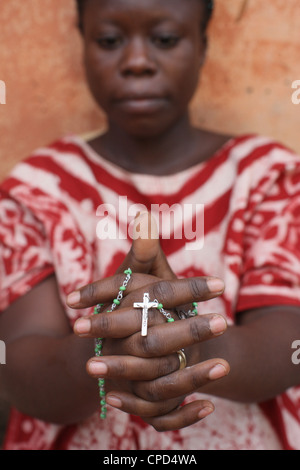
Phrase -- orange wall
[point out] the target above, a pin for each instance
(253, 59)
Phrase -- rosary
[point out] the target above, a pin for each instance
(145, 305)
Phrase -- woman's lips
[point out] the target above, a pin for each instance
(141, 104)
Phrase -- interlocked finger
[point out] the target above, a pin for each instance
(182, 382)
(132, 368)
(170, 292)
(105, 290)
(182, 417)
(170, 337)
(163, 416)
(117, 324)
(162, 339)
(137, 406)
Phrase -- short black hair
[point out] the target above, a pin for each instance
(209, 7)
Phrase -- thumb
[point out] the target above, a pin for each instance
(146, 255)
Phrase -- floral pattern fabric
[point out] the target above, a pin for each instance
(249, 191)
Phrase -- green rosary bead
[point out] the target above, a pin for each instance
(99, 341)
(195, 310)
(96, 309)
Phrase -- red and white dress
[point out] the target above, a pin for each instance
(50, 213)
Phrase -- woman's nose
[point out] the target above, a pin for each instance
(137, 59)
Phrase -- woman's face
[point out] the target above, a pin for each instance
(143, 59)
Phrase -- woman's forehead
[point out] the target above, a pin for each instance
(201, 10)
(144, 5)
(180, 10)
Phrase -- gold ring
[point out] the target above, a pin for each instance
(182, 359)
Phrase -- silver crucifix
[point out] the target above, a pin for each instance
(145, 305)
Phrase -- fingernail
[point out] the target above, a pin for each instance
(97, 368)
(215, 285)
(217, 372)
(114, 401)
(82, 326)
(217, 325)
(205, 412)
(74, 298)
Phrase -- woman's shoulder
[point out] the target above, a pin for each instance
(57, 174)
(60, 159)
(249, 147)
(253, 150)
(58, 151)
(246, 144)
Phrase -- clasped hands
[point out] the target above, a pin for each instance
(142, 373)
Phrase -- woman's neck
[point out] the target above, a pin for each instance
(181, 147)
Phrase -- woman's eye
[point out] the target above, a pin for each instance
(109, 42)
(166, 41)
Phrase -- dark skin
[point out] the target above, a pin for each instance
(158, 56)
(145, 88)
(46, 374)
(261, 370)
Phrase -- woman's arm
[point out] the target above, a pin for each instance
(45, 372)
(259, 351)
